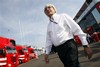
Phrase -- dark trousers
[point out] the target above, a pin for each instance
(68, 53)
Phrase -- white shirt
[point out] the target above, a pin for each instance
(63, 30)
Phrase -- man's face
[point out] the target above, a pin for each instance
(49, 11)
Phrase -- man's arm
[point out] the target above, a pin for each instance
(48, 46)
(76, 30)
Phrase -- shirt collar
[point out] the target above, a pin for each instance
(54, 17)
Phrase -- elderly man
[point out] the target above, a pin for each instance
(60, 31)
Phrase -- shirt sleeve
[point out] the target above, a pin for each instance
(48, 44)
(75, 29)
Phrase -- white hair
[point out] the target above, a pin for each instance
(50, 5)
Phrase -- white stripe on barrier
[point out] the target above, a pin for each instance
(21, 55)
(21, 58)
(3, 59)
(3, 64)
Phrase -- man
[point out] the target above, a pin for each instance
(60, 31)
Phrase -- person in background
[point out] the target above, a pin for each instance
(89, 38)
(60, 31)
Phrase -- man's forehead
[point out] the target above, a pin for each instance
(49, 5)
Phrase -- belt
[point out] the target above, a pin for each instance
(57, 47)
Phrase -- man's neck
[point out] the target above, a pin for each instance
(51, 15)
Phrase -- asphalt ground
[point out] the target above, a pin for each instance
(55, 62)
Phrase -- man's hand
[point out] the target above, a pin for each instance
(46, 58)
(88, 51)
